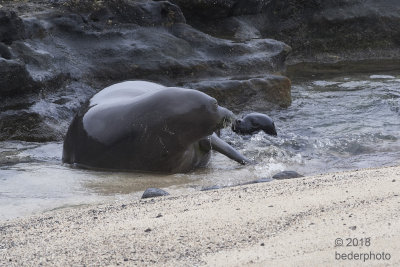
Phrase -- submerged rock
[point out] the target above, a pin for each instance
(213, 187)
(154, 192)
(286, 175)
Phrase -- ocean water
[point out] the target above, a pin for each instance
(340, 123)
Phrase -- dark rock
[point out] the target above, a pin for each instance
(154, 192)
(47, 70)
(335, 29)
(351, 65)
(318, 31)
(250, 7)
(74, 48)
(214, 187)
(286, 175)
(179, 55)
(14, 78)
(11, 27)
(26, 126)
(252, 93)
(149, 13)
(140, 12)
(217, 9)
(102, 14)
(5, 52)
(210, 9)
(238, 19)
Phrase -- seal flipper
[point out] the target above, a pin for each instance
(224, 148)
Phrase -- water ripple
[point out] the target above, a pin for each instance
(335, 124)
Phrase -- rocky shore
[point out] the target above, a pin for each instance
(55, 54)
(320, 31)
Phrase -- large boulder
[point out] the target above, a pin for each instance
(330, 30)
(327, 31)
(73, 48)
(248, 94)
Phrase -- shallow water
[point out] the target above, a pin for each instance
(340, 123)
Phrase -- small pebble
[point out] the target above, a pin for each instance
(286, 175)
(214, 187)
(154, 192)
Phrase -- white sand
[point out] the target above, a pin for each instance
(281, 223)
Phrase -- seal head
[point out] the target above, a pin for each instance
(253, 123)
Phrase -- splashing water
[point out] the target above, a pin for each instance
(336, 124)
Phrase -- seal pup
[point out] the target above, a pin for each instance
(253, 123)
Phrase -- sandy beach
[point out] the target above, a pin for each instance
(347, 218)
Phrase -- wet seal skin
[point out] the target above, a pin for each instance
(253, 123)
(144, 126)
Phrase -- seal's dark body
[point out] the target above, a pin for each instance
(159, 130)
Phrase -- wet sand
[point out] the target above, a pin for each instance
(282, 223)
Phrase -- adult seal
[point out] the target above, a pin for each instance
(144, 126)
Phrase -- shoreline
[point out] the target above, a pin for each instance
(286, 222)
